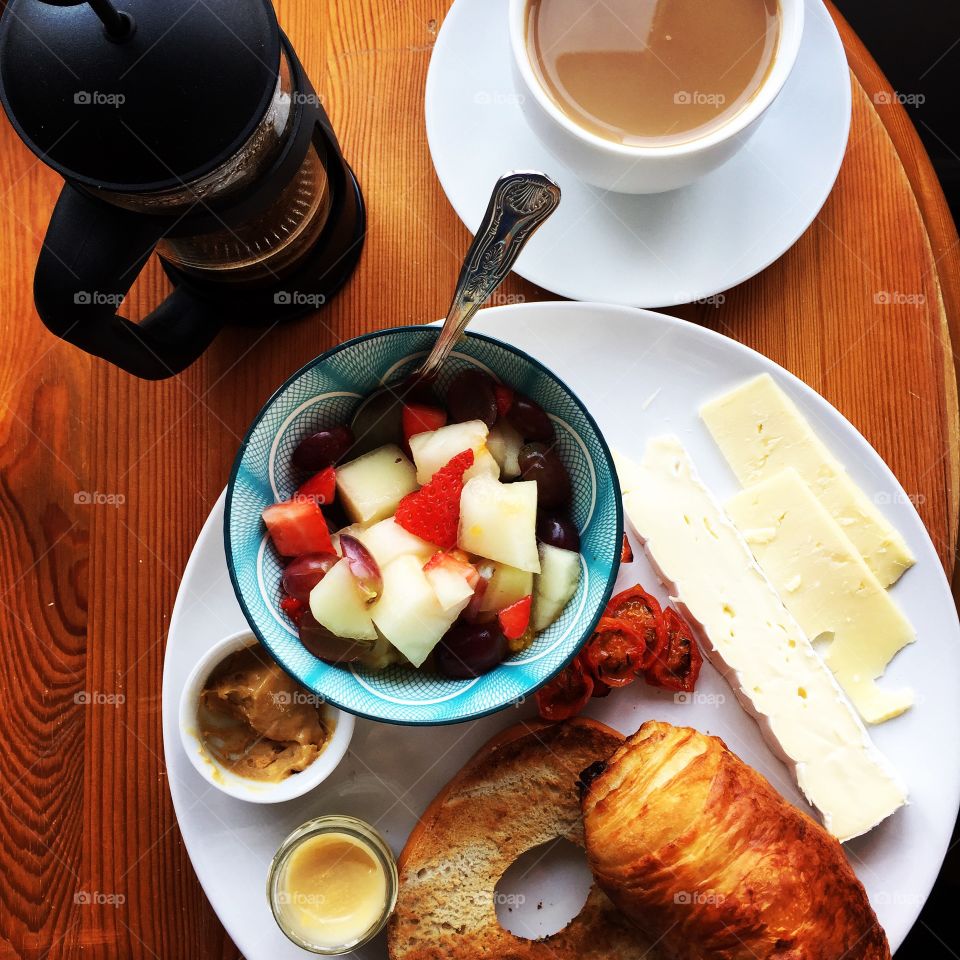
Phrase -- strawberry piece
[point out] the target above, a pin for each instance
(515, 619)
(293, 608)
(626, 554)
(433, 512)
(504, 395)
(320, 488)
(298, 527)
(418, 418)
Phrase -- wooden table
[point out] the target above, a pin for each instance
(93, 862)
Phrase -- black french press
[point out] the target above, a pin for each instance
(187, 127)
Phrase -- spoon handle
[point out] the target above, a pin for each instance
(520, 203)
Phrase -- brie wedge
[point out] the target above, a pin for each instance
(759, 647)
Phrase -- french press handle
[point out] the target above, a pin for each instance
(92, 253)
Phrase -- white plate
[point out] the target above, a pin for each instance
(650, 251)
(641, 374)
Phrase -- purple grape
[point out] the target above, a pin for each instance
(558, 532)
(540, 462)
(530, 420)
(470, 649)
(322, 449)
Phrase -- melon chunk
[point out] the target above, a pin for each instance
(408, 614)
(337, 603)
(498, 521)
(452, 590)
(371, 486)
(436, 449)
(387, 540)
(556, 585)
(506, 586)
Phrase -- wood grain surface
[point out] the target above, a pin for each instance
(93, 862)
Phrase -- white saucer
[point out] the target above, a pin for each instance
(647, 251)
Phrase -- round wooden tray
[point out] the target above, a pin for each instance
(861, 308)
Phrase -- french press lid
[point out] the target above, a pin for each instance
(138, 97)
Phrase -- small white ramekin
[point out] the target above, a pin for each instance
(253, 791)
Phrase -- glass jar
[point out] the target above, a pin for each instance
(364, 881)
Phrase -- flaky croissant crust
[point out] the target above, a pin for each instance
(711, 862)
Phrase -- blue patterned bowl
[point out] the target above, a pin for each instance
(325, 393)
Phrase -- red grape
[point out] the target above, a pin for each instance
(300, 576)
(365, 570)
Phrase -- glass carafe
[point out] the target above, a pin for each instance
(267, 245)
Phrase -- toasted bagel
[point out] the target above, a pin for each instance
(518, 792)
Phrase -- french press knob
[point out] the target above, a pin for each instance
(185, 128)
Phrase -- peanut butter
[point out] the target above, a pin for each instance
(257, 721)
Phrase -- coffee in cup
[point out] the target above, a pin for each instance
(644, 96)
(652, 72)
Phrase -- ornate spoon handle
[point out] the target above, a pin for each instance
(520, 203)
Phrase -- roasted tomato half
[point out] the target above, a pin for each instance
(567, 693)
(679, 666)
(643, 612)
(615, 653)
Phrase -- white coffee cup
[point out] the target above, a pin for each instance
(626, 168)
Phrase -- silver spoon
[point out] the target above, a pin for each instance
(521, 202)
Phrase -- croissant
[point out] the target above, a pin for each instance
(709, 861)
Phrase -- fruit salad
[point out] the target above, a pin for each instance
(435, 533)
